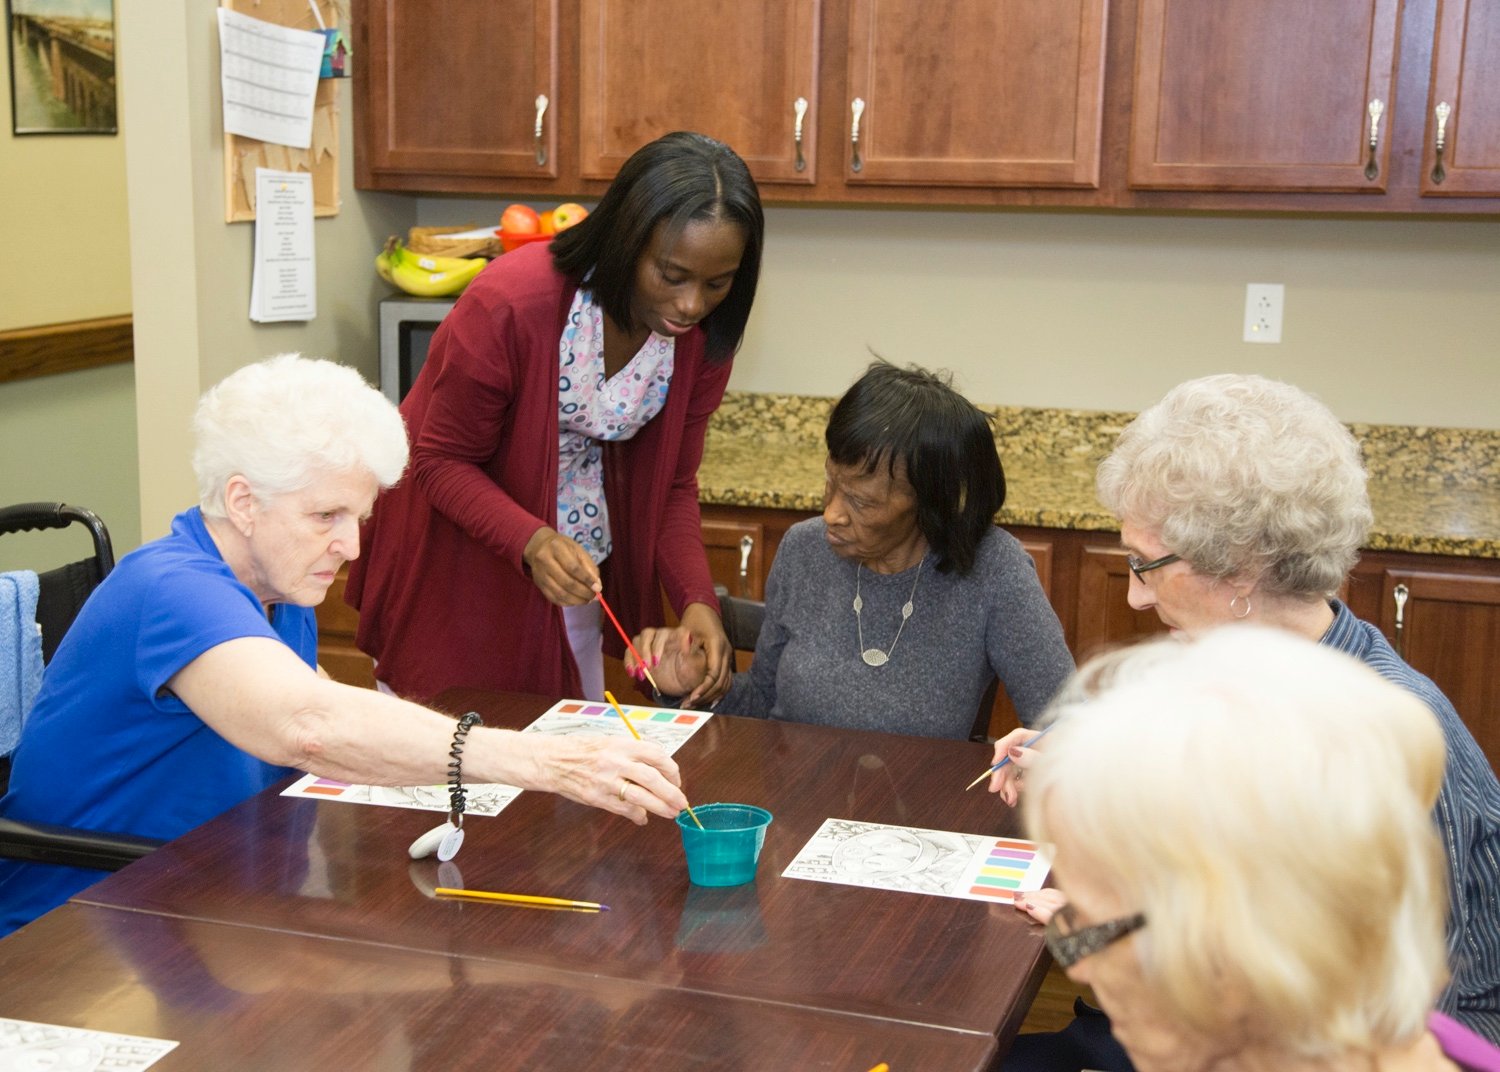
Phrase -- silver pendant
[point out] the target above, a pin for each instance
(874, 657)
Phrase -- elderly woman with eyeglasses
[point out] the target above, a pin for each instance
(1241, 499)
(1260, 887)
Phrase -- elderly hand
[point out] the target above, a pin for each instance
(676, 661)
(1007, 780)
(562, 570)
(707, 631)
(1041, 905)
(618, 774)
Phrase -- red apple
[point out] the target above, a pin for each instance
(566, 215)
(520, 219)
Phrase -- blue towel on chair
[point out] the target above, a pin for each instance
(20, 654)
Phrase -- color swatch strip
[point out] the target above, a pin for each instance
(636, 714)
(1004, 869)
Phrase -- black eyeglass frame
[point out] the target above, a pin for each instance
(1069, 948)
(1140, 568)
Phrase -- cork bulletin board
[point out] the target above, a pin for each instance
(243, 155)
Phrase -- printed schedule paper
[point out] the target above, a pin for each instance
(284, 274)
(668, 727)
(269, 78)
(912, 860)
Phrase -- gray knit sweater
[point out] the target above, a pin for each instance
(964, 632)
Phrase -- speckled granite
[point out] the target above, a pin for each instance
(1434, 490)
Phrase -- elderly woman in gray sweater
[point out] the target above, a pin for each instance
(899, 606)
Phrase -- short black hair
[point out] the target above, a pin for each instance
(678, 178)
(945, 444)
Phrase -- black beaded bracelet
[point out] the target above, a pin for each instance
(456, 797)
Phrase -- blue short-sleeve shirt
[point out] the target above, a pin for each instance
(107, 746)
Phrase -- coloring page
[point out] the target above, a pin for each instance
(913, 860)
(667, 727)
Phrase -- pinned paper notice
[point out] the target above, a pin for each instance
(283, 284)
(269, 76)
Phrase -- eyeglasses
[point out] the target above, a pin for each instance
(1140, 568)
(1069, 946)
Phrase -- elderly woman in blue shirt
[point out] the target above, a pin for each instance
(189, 680)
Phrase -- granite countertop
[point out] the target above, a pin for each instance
(1435, 491)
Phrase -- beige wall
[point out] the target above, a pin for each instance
(1393, 321)
(63, 221)
(192, 323)
(70, 437)
(66, 200)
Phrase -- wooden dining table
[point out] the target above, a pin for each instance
(780, 973)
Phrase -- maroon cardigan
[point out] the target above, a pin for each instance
(443, 596)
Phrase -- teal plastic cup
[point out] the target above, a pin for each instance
(726, 850)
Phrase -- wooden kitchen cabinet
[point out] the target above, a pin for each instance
(1442, 614)
(337, 652)
(725, 68)
(991, 94)
(1463, 103)
(1263, 94)
(1241, 98)
(1234, 105)
(457, 95)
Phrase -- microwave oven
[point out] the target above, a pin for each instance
(406, 328)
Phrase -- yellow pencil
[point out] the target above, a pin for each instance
(520, 898)
(637, 735)
(621, 712)
(881, 1067)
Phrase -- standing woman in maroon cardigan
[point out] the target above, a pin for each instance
(556, 428)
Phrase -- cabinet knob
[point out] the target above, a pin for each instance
(1377, 109)
(799, 111)
(541, 147)
(747, 545)
(1401, 593)
(1441, 113)
(858, 108)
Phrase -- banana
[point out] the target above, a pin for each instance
(431, 262)
(427, 277)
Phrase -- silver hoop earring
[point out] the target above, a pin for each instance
(1240, 614)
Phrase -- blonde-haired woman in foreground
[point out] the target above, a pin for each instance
(1243, 828)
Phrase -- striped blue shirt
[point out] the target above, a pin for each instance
(1468, 814)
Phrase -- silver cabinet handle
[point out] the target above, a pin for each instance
(541, 110)
(799, 110)
(747, 545)
(858, 108)
(1401, 592)
(1377, 109)
(1442, 112)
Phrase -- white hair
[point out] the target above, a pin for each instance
(1244, 476)
(283, 421)
(1266, 803)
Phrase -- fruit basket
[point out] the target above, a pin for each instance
(432, 240)
(509, 242)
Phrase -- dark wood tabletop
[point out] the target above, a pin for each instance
(340, 871)
(237, 998)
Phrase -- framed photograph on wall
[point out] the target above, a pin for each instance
(62, 66)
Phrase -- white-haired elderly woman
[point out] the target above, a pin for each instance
(189, 681)
(1242, 499)
(1259, 885)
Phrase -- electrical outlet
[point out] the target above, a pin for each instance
(1263, 303)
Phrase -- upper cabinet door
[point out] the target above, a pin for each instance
(1463, 108)
(974, 92)
(461, 88)
(743, 72)
(1263, 94)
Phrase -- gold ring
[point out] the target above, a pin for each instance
(624, 784)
